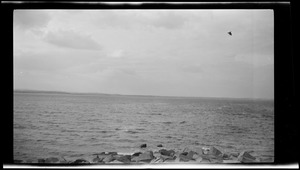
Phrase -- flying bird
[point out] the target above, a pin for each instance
(230, 33)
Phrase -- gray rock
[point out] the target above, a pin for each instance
(124, 159)
(80, 161)
(108, 158)
(246, 157)
(144, 157)
(184, 157)
(112, 153)
(116, 162)
(165, 157)
(97, 159)
(270, 160)
(18, 161)
(205, 161)
(198, 159)
(215, 152)
(143, 145)
(167, 152)
(136, 153)
(157, 160)
(156, 154)
(41, 160)
(226, 156)
(52, 160)
(231, 161)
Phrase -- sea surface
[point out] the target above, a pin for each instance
(76, 125)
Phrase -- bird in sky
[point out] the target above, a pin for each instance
(230, 33)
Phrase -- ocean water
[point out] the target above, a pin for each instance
(73, 125)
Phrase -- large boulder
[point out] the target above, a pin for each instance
(124, 158)
(167, 152)
(136, 154)
(246, 157)
(97, 159)
(41, 160)
(157, 160)
(215, 152)
(184, 157)
(108, 158)
(80, 161)
(143, 145)
(52, 160)
(144, 157)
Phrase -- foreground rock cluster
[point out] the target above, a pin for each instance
(162, 155)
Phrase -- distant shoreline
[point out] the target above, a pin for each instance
(106, 94)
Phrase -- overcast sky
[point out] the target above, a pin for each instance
(147, 52)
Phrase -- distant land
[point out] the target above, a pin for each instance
(106, 94)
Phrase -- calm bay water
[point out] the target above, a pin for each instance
(74, 125)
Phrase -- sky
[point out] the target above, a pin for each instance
(146, 52)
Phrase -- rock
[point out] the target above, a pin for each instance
(183, 157)
(266, 160)
(191, 154)
(52, 160)
(164, 157)
(231, 155)
(160, 145)
(157, 160)
(18, 161)
(215, 152)
(231, 161)
(143, 145)
(156, 154)
(245, 157)
(167, 152)
(112, 153)
(29, 161)
(198, 150)
(144, 157)
(97, 159)
(124, 159)
(116, 162)
(205, 161)
(216, 160)
(195, 156)
(226, 156)
(199, 159)
(80, 161)
(137, 154)
(205, 150)
(41, 160)
(64, 161)
(108, 158)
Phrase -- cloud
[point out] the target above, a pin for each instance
(71, 39)
(31, 19)
(192, 69)
(166, 19)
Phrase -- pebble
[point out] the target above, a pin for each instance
(143, 145)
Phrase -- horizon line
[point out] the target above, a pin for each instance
(99, 93)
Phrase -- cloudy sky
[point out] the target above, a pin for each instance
(147, 52)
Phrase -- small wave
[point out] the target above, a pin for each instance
(132, 132)
(182, 122)
(167, 123)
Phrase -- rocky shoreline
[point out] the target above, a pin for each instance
(196, 155)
